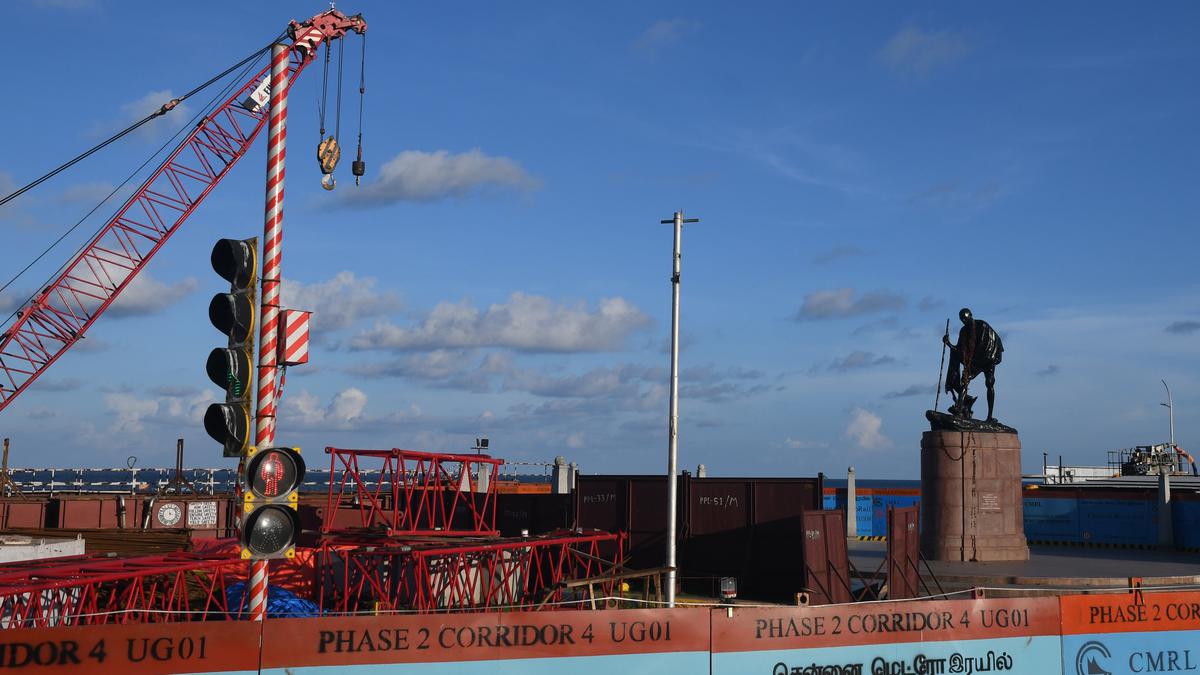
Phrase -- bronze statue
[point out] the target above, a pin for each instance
(979, 350)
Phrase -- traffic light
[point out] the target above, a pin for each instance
(270, 523)
(232, 367)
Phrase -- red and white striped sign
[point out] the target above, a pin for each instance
(294, 346)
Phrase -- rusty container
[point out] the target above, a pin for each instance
(30, 512)
(750, 529)
(903, 553)
(94, 511)
(971, 506)
(531, 512)
(718, 529)
(313, 511)
(636, 505)
(826, 562)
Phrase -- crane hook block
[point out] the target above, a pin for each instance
(358, 167)
(328, 154)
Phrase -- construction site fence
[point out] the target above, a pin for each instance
(1137, 631)
(1066, 515)
(211, 481)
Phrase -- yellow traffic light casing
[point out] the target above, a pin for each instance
(270, 524)
(232, 367)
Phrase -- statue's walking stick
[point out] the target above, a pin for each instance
(941, 366)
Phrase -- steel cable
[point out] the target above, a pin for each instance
(248, 64)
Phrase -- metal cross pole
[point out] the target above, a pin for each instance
(271, 273)
(673, 424)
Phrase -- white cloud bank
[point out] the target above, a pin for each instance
(416, 176)
(528, 323)
(866, 430)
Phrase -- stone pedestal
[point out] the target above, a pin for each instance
(971, 496)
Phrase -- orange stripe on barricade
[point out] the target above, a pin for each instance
(868, 624)
(136, 649)
(439, 638)
(1130, 612)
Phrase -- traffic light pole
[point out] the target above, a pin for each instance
(269, 299)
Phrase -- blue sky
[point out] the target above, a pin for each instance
(860, 171)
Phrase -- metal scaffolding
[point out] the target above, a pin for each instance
(406, 492)
(101, 589)
(439, 576)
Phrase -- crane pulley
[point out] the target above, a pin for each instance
(329, 149)
(60, 314)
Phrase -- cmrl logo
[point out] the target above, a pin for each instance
(1092, 659)
(1151, 655)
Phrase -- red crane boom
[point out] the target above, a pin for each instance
(58, 316)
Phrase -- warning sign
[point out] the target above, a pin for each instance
(202, 514)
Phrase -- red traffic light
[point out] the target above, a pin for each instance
(273, 473)
(270, 478)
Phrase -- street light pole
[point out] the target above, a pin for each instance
(1166, 530)
(1170, 407)
(673, 424)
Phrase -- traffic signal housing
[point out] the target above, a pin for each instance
(270, 522)
(232, 367)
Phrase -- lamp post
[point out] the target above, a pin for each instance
(673, 423)
(1170, 407)
(1166, 530)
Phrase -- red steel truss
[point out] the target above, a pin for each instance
(412, 493)
(97, 589)
(466, 575)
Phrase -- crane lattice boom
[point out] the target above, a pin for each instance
(58, 316)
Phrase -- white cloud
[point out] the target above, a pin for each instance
(663, 34)
(841, 302)
(416, 176)
(146, 295)
(837, 253)
(914, 52)
(575, 441)
(130, 412)
(624, 381)
(528, 323)
(346, 410)
(859, 359)
(340, 301)
(800, 444)
(138, 108)
(866, 430)
(48, 384)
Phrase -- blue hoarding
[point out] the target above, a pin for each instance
(1136, 653)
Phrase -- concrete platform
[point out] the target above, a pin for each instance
(18, 548)
(1050, 570)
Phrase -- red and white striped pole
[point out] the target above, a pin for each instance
(271, 273)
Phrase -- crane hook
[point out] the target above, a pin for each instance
(328, 155)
